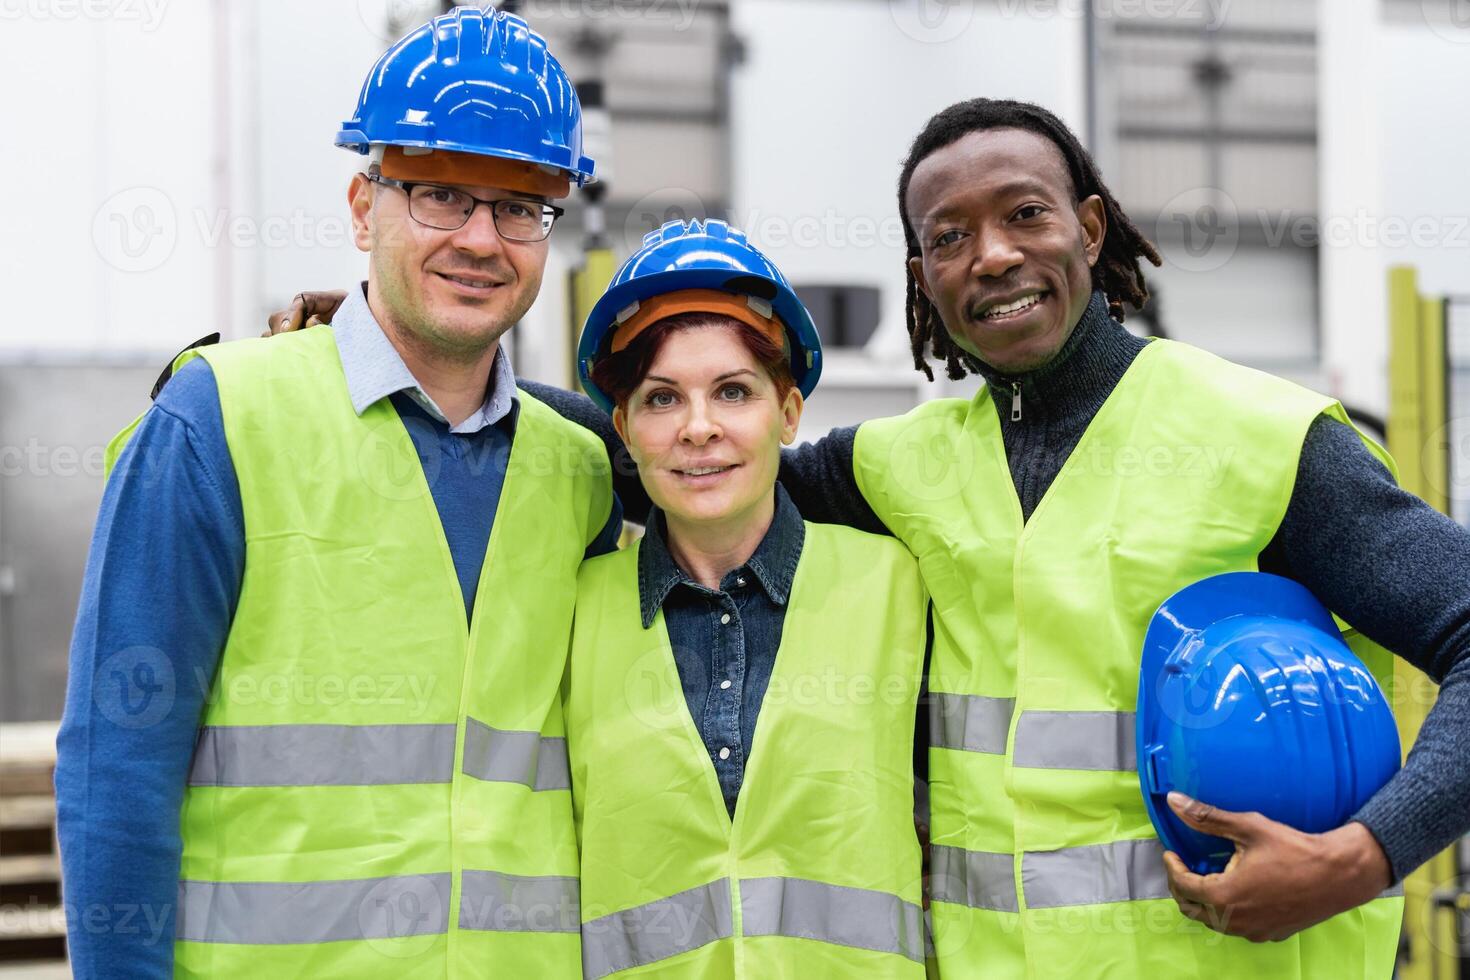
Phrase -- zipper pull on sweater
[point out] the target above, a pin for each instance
(1015, 401)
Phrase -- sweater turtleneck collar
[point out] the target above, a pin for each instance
(1081, 375)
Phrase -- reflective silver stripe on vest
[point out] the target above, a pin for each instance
(1123, 871)
(261, 913)
(859, 917)
(979, 879)
(658, 930)
(322, 755)
(494, 902)
(527, 758)
(969, 722)
(1076, 740)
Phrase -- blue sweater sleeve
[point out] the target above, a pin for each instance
(607, 539)
(160, 589)
(823, 483)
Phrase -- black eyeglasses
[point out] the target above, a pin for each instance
(516, 219)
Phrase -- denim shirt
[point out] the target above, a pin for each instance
(724, 641)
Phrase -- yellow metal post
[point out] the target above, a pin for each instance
(589, 282)
(1418, 439)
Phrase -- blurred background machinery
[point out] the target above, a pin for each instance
(1205, 124)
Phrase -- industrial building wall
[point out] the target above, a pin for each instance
(825, 107)
(178, 177)
(56, 417)
(1426, 193)
(1395, 154)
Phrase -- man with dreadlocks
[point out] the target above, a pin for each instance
(1092, 476)
(1137, 468)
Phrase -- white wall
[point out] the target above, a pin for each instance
(1426, 178)
(106, 138)
(177, 176)
(1354, 294)
(833, 93)
(825, 107)
(1426, 151)
(1395, 157)
(173, 173)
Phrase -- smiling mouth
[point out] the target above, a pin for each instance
(696, 472)
(1015, 308)
(484, 285)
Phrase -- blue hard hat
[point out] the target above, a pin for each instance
(1249, 700)
(472, 81)
(708, 255)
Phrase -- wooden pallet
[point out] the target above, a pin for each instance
(32, 920)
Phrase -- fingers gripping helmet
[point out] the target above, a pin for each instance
(1249, 700)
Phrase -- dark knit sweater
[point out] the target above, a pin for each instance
(1377, 556)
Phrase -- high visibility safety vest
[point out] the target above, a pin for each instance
(377, 789)
(819, 874)
(1044, 863)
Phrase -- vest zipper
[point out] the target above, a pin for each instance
(1015, 401)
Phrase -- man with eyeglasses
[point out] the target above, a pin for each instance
(313, 722)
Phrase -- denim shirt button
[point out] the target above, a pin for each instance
(725, 752)
(725, 619)
(725, 685)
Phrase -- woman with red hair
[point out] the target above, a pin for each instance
(713, 845)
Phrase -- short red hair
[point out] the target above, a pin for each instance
(620, 374)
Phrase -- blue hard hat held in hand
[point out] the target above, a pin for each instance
(473, 81)
(1250, 700)
(708, 255)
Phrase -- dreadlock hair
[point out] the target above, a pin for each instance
(1116, 271)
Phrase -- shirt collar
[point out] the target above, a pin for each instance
(375, 370)
(773, 564)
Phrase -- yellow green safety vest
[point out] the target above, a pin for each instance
(1044, 863)
(378, 789)
(819, 873)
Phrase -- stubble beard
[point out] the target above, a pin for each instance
(414, 326)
